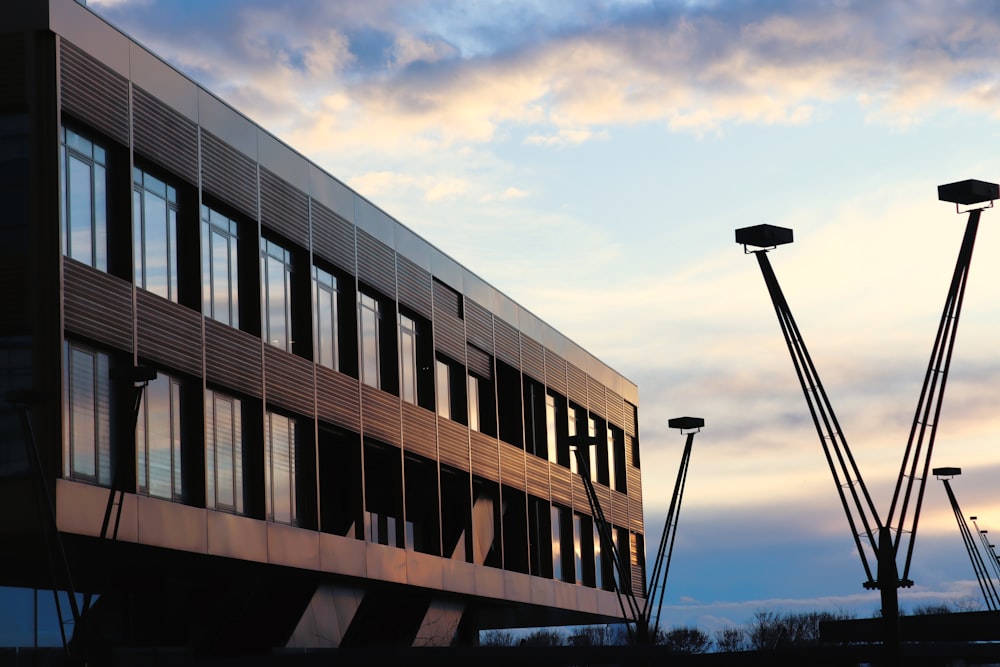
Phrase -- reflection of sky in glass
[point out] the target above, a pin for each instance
(80, 207)
(443, 390)
(571, 426)
(223, 452)
(407, 359)
(557, 572)
(578, 546)
(85, 204)
(280, 468)
(326, 317)
(220, 287)
(89, 413)
(550, 426)
(159, 436)
(277, 285)
(473, 402)
(369, 341)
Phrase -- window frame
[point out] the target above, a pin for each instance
(276, 294)
(92, 154)
(215, 224)
(141, 192)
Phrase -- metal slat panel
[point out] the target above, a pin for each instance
(537, 475)
(508, 344)
(289, 381)
(164, 136)
(619, 508)
(449, 329)
(485, 456)
(380, 415)
(616, 410)
(168, 333)
(97, 305)
(596, 397)
(284, 208)
(532, 358)
(635, 521)
(638, 582)
(634, 480)
(13, 95)
(512, 465)
(228, 174)
(338, 398)
(479, 326)
(414, 287)
(94, 92)
(631, 417)
(376, 264)
(562, 486)
(577, 385)
(453, 443)
(333, 237)
(580, 501)
(479, 362)
(419, 431)
(232, 358)
(555, 372)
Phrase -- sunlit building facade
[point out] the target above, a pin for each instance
(350, 438)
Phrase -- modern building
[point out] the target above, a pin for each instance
(266, 413)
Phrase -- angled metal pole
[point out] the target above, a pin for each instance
(664, 554)
(986, 585)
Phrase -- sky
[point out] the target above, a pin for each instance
(592, 159)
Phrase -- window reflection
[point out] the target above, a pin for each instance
(276, 274)
(154, 218)
(87, 448)
(84, 207)
(325, 318)
(223, 452)
(158, 439)
(220, 296)
(370, 317)
(279, 468)
(407, 359)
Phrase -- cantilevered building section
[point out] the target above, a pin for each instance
(342, 436)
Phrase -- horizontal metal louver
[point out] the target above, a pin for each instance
(635, 521)
(164, 136)
(289, 381)
(333, 237)
(512, 465)
(631, 417)
(13, 95)
(537, 476)
(562, 488)
(228, 174)
(168, 333)
(619, 508)
(479, 362)
(284, 208)
(555, 372)
(414, 287)
(376, 264)
(232, 358)
(381, 416)
(449, 329)
(338, 398)
(596, 397)
(485, 456)
(532, 358)
(508, 343)
(453, 443)
(616, 412)
(479, 326)
(97, 305)
(419, 431)
(577, 385)
(94, 92)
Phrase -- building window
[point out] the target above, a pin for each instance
(574, 466)
(84, 200)
(219, 242)
(550, 428)
(407, 359)
(158, 439)
(223, 452)
(279, 469)
(370, 313)
(276, 274)
(87, 446)
(612, 479)
(592, 449)
(578, 532)
(473, 389)
(154, 229)
(443, 382)
(326, 318)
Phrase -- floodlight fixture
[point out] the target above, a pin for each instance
(763, 237)
(946, 472)
(689, 424)
(970, 192)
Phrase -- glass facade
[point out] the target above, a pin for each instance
(84, 210)
(158, 440)
(443, 384)
(473, 389)
(407, 359)
(276, 285)
(223, 452)
(87, 432)
(220, 270)
(574, 465)
(279, 469)
(154, 233)
(370, 315)
(550, 428)
(326, 301)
